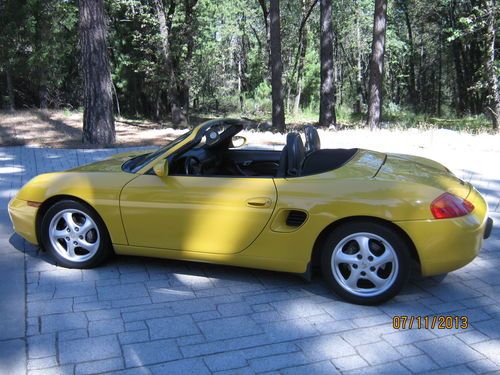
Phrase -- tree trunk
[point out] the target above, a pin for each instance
(411, 64)
(440, 73)
(276, 67)
(301, 55)
(327, 116)
(359, 77)
(266, 16)
(185, 84)
(377, 64)
(493, 94)
(300, 73)
(117, 101)
(165, 24)
(98, 121)
(10, 90)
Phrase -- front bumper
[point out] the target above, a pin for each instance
(23, 219)
(448, 244)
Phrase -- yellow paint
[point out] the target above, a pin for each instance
(242, 221)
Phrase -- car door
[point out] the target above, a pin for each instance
(196, 213)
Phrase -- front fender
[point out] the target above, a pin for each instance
(99, 190)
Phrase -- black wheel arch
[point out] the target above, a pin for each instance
(317, 247)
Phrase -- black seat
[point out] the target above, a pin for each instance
(292, 156)
(313, 143)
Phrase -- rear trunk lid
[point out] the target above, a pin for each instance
(415, 169)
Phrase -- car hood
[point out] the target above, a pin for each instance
(414, 169)
(112, 164)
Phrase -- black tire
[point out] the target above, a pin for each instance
(98, 232)
(364, 292)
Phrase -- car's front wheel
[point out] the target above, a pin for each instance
(74, 235)
(365, 262)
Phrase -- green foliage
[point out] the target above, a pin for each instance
(229, 64)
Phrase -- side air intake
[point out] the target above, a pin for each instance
(296, 218)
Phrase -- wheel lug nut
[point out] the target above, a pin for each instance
(76, 229)
(81, 237)
(359, 256)
(67, 230)
(67, 238)
(354, 266)
(370, 258)
(372, 269)
(75, 243)
(363, 273)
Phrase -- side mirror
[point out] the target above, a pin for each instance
(238, 141)
(161, 168)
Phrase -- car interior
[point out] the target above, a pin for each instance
(215, 155)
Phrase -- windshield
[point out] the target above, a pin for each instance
(133, 165)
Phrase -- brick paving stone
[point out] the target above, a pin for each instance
(277, 362)
(133, 337)
(234, 309)
(326, 347)
(490, 349)
(41, 363)
(266, 350)
(297, 308)
(105, 327)
(448, 351)
(53, 306)
(490, 328)
(42, 346)
(151, 352)
(408, 350)
(59, 370)
(181, 367)
(98, 367)
(462, 370)
(378, 353)
(226, 328)
(289, 330)
(320, 368)
(121, 291)
(170, 327)
(386, 369)
(225, 361)
(89, 349)
(419, 363)
(78, 289)
(351, 362)
(409, 336)
(471, 336)
(63, 322)
(483, 366)
(72, 334)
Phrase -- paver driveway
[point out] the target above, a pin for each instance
(143, 316)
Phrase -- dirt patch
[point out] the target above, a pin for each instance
(59, 129)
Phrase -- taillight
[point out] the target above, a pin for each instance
(448, 205)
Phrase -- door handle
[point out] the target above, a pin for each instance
(261, 202)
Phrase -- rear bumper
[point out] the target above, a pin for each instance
(448, 244)
(23, 219)
(488, 229)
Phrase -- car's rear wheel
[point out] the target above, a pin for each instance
(365, 262)
(74, 235)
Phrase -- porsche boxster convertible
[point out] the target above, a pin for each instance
(366, 218)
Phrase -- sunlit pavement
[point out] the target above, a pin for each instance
(147, 316)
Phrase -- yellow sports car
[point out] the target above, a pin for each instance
(364, 217)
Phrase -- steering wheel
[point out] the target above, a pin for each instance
(192, 165)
